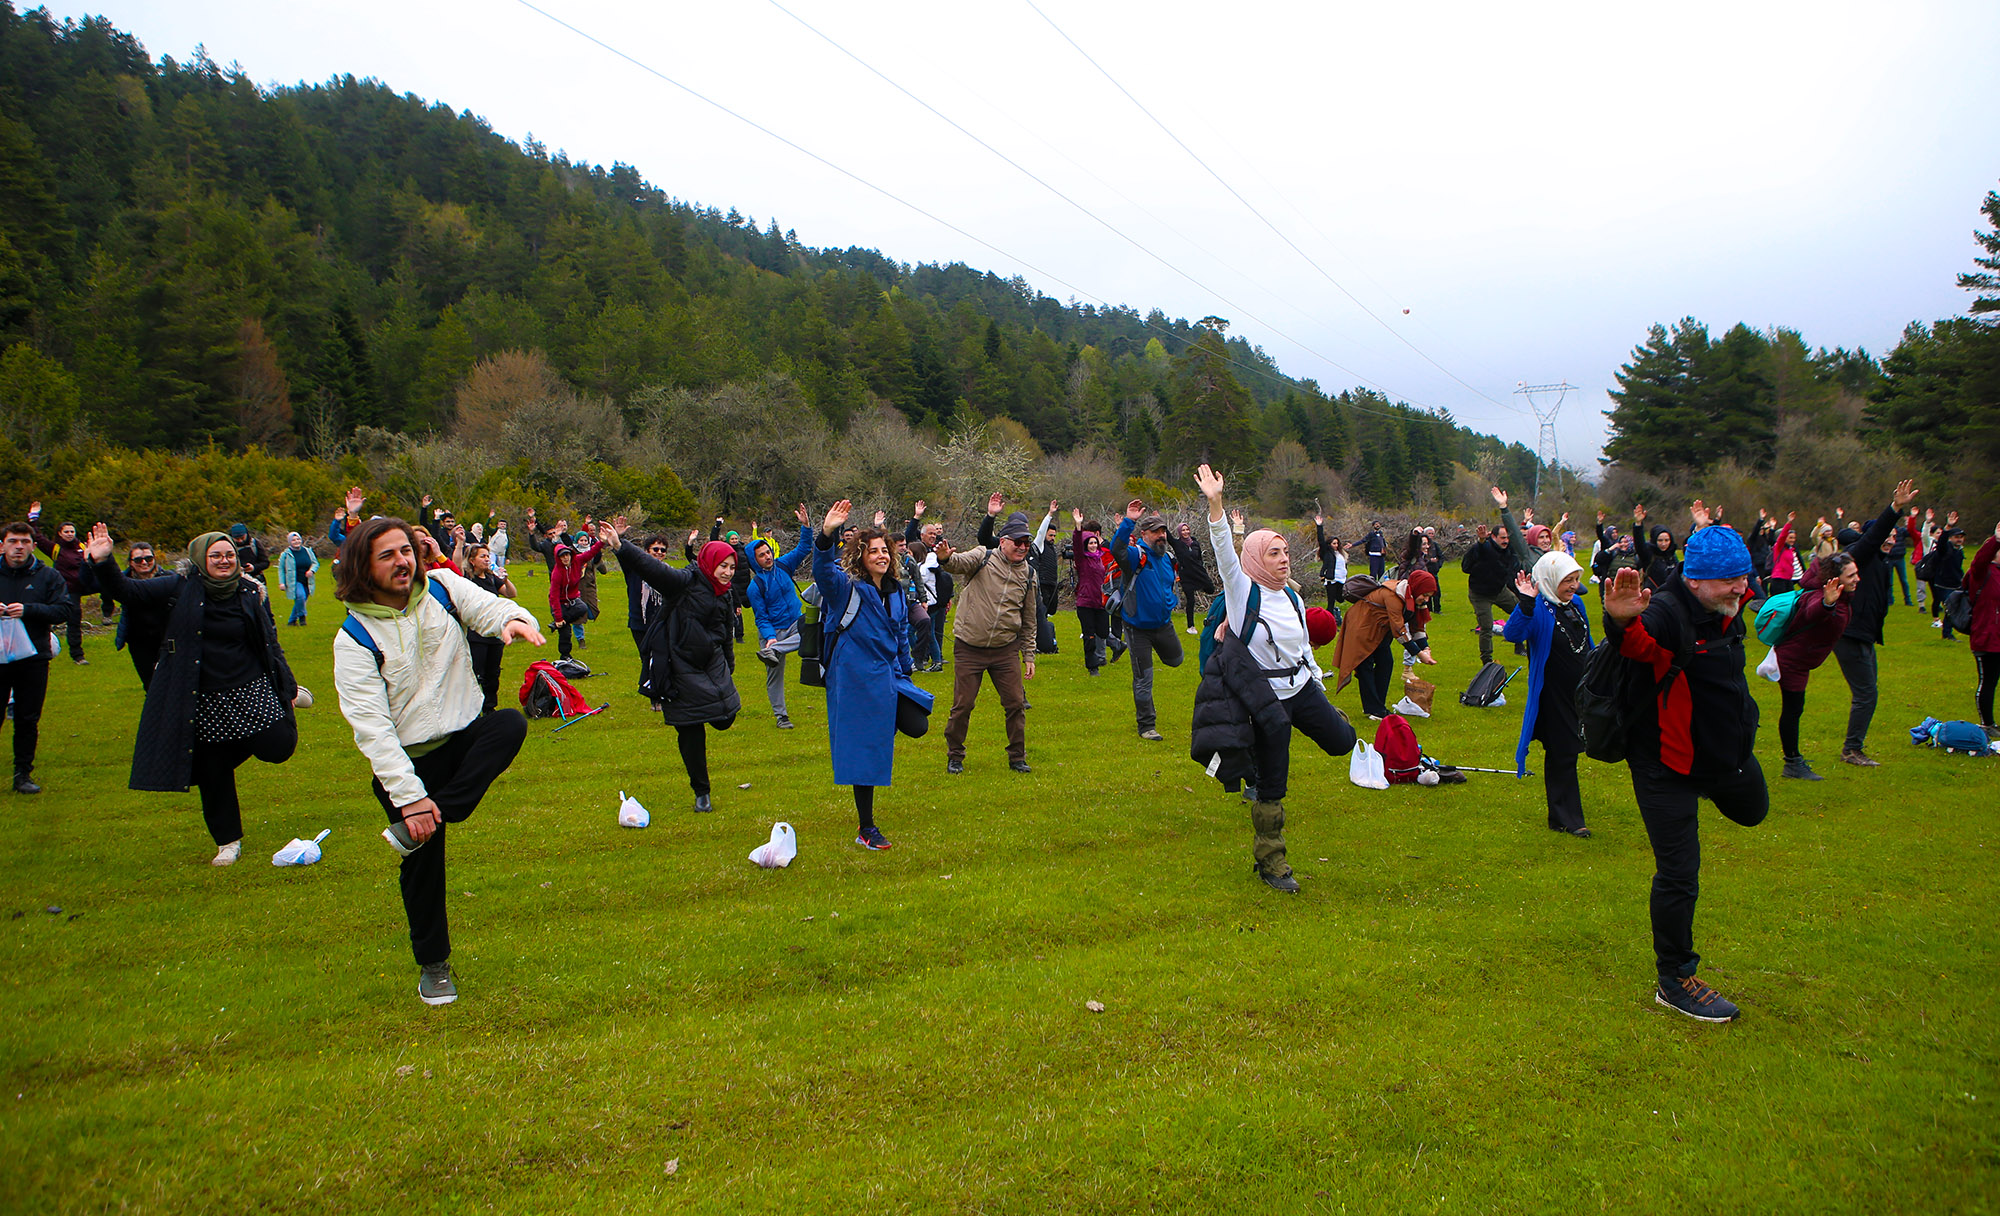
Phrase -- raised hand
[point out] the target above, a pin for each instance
(1523, 585)
(1627, 597)
(994, 502)
(1527, 516)
(621, 525)
(1052, 506)
(98, 547)
(1076, 514)
(1906, 493)
(1209, 482)
(1790, 516)
(942, 549)
(1638, 512)
(880, 519)
(918, 513)
(1600, 517)
(836, 516)
(1700, 514)
(1499, 497)
(1951, 520)
(1236, 516)
(694, 534)
(801, 515)
(1134, 509)
(355, 498)
(607, 535)
(1319, 521)
(425, 501)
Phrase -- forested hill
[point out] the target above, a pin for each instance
(206, 259)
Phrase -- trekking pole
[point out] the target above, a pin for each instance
(1467, 768)
(578, 718)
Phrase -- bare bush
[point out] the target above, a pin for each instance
(499, 386)
(741, 447)
(881, 464)
(1086, 479)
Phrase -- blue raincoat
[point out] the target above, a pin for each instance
(1534, 621)
(864, 664)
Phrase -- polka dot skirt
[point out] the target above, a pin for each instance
(237, 713)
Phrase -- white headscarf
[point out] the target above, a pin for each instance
(1550, 571)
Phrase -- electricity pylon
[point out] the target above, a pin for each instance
(1545, 447)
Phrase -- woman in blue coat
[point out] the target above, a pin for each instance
(865, 650)
(1548, 615)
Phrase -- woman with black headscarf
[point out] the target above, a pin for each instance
(222, 691)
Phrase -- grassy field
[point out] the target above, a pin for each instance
(1455, 1015)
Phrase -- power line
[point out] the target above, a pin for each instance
(1414, 413)
(1251, 208)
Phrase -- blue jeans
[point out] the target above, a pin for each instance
(298, 610)
(1902, 570)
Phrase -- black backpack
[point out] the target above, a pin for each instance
(1487, 686)
(1608, 696)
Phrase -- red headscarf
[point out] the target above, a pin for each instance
(713, 554)
(1416, 593)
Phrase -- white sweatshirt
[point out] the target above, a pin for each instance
(425, 690)
(1280, 640)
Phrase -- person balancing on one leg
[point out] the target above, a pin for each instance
(1691, 739)
(404, 671)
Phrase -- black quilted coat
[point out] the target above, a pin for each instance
(1234, 702)
(690, 647)
(163, 754)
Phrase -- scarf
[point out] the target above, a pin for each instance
(713, 554)
(1257, 562)
(1417, 591)
(218, 588)
(1549, 573)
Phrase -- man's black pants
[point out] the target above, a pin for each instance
(28, 680)
(1668, 802)
(457, 775)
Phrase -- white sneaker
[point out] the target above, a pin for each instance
(1937, 624)
(227, 854)
(304, 700)
(1192, 631)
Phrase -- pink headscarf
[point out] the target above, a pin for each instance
(1257, 563)
(713, 554)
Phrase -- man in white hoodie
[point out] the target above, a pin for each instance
(404, 672)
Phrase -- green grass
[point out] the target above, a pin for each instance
(1455, 1015)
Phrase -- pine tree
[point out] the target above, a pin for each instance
(1209, 421)
(1987, 278)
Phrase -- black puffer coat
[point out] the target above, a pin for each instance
(691, 646)
(1234, 702)
(163, 754)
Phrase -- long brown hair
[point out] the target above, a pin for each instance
(857, 548)
(355, 582)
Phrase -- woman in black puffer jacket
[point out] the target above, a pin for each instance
(222, 691)
(690, 647)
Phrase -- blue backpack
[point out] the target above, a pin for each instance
(1218, 612)
(353, 627)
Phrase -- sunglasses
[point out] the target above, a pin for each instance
(658, 550)
(142, 559)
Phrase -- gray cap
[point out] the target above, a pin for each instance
(1152, 522)
(1016, 527)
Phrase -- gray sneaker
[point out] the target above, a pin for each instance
(1797, 769)
(1152, 736)
(434, 986)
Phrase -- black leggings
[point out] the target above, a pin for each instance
(1793, 705)
(864, 805)
(1989, 675)
(694, 750)
(1315, 718)
(215, 772)
(1096, 624)
(1372, 675)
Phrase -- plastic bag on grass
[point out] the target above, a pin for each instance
(300, 852)
(777, 852)
(1365, 767)
(630, 813)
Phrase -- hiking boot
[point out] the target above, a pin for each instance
(434, 986)
(1280, 882)
(24, 784)
(227, 854)
(1267, 819)
(784, 723)
(1688, 995)
(1152, 736)
(701, 803)
(1118, 650)
(1019, 766)
(768, 657)
(1860, 759)
(871, 837)
(1797, 768)
(954, 767)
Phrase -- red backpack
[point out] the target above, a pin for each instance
(545, 693)
(1402, 760)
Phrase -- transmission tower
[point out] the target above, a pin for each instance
(1545, 413)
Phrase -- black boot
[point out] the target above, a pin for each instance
(24, 784)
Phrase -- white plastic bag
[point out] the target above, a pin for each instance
(1769, 667)
(1365, 768)
(779, 850)
(14, 641)
(630, 813)
(1410, 709)
(300, 852)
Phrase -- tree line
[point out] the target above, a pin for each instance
(187, 258)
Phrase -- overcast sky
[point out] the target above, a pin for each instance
(1511, 192)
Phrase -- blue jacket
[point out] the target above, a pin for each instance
(773, 596)
(1149, 592)
(290, 574)
(1534, 622)
(863, 663)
